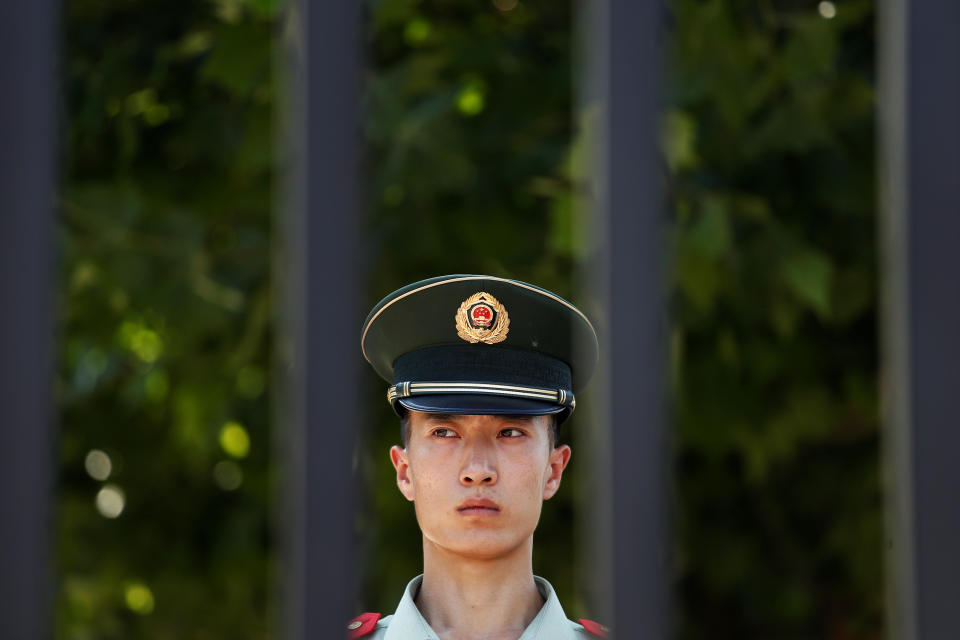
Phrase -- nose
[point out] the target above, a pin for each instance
(478, 469)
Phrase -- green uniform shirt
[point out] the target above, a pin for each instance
(407, 623)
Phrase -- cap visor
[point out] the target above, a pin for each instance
(479, 404)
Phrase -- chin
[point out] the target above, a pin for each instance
(481, 544)
(484, 551)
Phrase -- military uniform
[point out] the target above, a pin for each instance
(482, 345)
(407, 623)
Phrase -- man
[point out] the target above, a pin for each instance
(483, 371)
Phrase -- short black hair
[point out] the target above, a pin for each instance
(405, 429)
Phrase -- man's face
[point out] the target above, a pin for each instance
(478, 481)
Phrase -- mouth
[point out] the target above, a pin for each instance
(478, 507)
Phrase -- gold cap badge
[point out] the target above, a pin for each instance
(481, 318)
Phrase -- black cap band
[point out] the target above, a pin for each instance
(460, 378)
(480, 362)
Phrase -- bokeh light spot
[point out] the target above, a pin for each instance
(227, 475)
(138, 598)
(143, 342)
(416, 31)
(196, 43)
(827, 9)
(110, 501)
(471, 100)
(98, 464)
(156, 114)
(84, 275)
(140, 101)
(506, 5)
(234, 440)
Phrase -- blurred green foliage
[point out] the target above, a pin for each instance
(166, 319)
(770, 140)
(474, 165)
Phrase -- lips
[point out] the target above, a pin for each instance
(478, 507)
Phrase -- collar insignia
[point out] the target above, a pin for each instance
(481, 318)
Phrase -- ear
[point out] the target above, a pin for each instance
(401, 463)
(559, 458)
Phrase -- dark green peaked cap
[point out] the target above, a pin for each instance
(480, 344)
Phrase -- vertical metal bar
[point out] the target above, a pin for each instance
(626, 36)
(920, 129)
(27, 131)
(324, 295)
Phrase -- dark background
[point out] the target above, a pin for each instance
(475, 162)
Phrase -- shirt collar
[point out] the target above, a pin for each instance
(407, 623)
(549, 624)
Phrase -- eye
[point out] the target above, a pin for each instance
(511, 433)
(443, 433)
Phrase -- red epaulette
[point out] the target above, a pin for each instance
(595, 628)
(363, 625)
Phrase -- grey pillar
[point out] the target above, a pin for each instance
(28, 54)
(323, 294)
(627, 45)
(920, 135)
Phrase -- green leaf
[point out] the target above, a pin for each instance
(809, 275)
